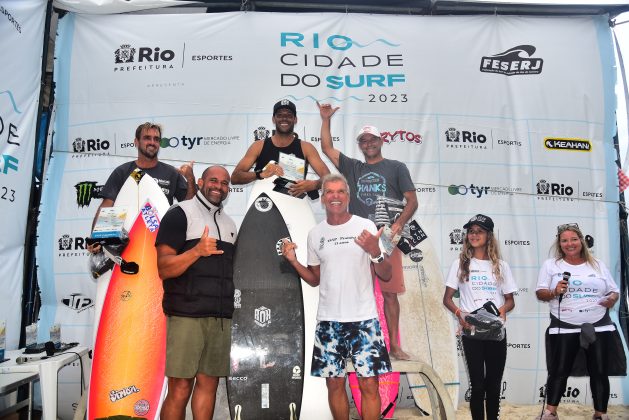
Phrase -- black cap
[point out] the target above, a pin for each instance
(285, 104)
(481, 220)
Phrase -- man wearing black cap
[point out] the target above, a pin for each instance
(284, 140)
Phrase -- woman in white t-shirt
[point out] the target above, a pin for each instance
(580, 290)
(481, 276)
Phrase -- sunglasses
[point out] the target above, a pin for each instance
(565, 226)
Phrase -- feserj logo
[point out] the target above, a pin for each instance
(512, 62)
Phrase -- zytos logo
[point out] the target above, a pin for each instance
(401, 136)
(126, 54)
(77, 301)
(66, 243)
(86, 191)
(80, 145)
(545, 188)
(573, 144)
(514, 61)
(262, 316)
(474, 190)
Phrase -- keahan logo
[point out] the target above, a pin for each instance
(515, 61)
(571, 144)
(86, 191)
(77, 301)
(262, 316)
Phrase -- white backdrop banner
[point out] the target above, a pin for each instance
(508, 116)
(21, 38)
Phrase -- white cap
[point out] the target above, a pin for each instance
(368, 129)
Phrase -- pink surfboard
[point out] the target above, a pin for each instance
(389, 383)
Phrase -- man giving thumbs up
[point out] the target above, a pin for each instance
(195, 248)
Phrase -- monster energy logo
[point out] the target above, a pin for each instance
(85, 191)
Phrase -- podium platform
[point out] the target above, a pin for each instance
(440, 402)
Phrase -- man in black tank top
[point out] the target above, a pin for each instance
(284, 140)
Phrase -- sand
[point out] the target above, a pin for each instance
(523, 412)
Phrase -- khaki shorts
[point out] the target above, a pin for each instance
(396, 284)
(197, 345)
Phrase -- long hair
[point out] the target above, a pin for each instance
(493, 251)
(585, 251)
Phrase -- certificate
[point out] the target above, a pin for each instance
(294, 167)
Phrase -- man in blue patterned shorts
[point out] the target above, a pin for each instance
(341, 250)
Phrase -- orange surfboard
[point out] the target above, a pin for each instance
(130, 350)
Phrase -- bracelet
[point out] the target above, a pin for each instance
(458, 311)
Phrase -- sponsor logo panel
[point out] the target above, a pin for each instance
(569, 144)
(515, 61)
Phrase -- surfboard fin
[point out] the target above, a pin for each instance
(127, 267)
(386, 410)
(292, 407)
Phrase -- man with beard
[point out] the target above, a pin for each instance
(195, 249)
(175, 184)
(284, 140)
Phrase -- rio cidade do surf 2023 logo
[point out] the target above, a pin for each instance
(337, 61)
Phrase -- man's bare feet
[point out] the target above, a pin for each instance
(397, 353)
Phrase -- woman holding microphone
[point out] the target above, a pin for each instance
(484, 281)
(580, 290)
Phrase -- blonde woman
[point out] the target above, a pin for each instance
(580, 290)
(481, 276)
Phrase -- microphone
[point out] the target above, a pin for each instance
(23, 359)
(564, 277)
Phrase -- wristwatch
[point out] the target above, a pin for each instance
(258, 173)
(378, 259)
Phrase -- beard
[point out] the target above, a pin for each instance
(148, 153)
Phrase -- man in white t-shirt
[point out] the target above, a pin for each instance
(341, 250)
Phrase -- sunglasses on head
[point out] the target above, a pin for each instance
(565, 226)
